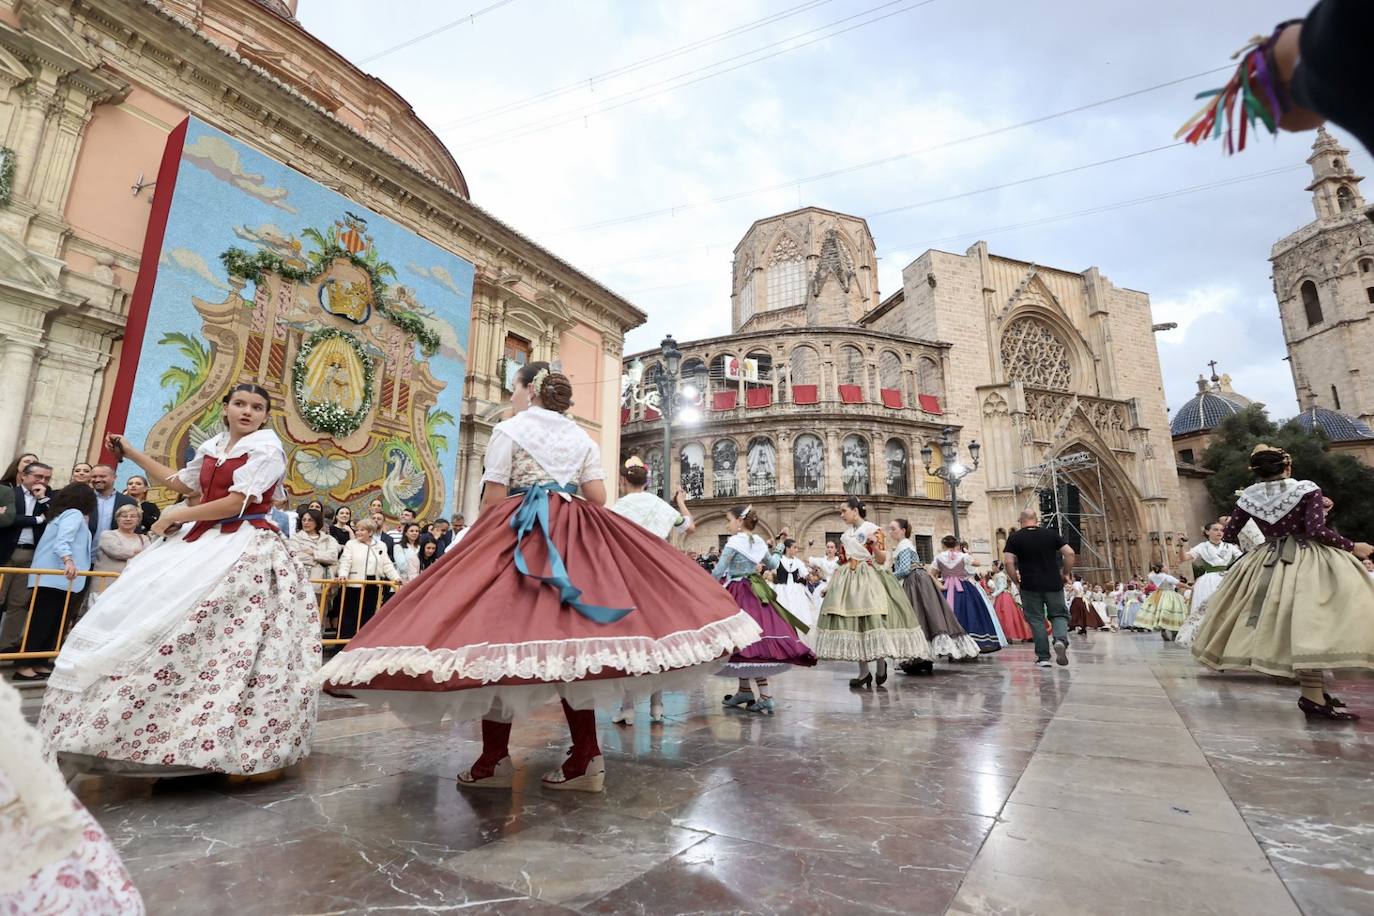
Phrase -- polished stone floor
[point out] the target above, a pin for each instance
(1130, 782)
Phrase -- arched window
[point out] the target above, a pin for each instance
(724, 483)
(762, 459)
(1337, 164)
(854, 473)
(1033, 355)
(890, 371)
(718, 373)
(693, 470)
(895, 453)
(1345, 199)
(851, 366)
(764, 359)
(806, 366)
(694, 373)
(786, 274)
(1310, 303)
(1366, 265)
(808, 465)
(653, 459)
(928, 377)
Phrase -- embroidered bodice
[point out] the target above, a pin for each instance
(855, 541)
(648, 511)
(1295, 510)
(1163, 581)
(904, 559)
(791, 569)
(741, 557)
(541, 446)
(1209, 554)
(953, 564)
(252, 467)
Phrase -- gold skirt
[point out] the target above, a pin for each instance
(1290, 606)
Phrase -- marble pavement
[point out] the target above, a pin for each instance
(1130, 782)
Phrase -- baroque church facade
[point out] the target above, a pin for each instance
(1053, 372)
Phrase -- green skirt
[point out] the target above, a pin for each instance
(853, 626)
(1165, 610)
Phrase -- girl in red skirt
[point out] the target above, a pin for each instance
(496, 626)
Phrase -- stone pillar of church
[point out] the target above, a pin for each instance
(786, 482)
(16, 368)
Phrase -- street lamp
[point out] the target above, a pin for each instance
(951, 469)
(668, 399)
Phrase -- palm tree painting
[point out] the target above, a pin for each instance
(185, 381)
(438, 442)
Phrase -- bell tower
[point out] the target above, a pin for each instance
(1324, 283)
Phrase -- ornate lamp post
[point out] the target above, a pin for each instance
(674, 403)
(951, 468)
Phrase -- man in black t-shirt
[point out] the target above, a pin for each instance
(1033, 556)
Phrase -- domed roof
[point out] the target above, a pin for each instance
(1337, 427)
(1205, 410)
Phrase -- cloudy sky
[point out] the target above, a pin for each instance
(640, 138)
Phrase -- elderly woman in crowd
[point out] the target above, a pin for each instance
(118, 546)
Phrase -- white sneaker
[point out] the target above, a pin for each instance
(1042, 663)
(624, 717)
(1061, 652)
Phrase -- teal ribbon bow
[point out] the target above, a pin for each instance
(534, 510)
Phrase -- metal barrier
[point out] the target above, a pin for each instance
(331, 592)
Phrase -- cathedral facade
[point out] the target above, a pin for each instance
(1054, 373)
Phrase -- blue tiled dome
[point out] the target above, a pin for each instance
(1337, 426)
(1204, 411)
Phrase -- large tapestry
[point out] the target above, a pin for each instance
(357, 326)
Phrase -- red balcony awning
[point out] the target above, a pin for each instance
(891, 398)
(929, 403)
(758, 397)
(851, 394)
(624, 415)
(724, 400)
(650, 414)
(806, 394)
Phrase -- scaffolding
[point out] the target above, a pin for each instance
(1047, 482)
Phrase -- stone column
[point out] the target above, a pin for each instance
(786, 483)
(16, 368)
(833, 463)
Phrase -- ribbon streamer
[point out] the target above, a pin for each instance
(534, 510)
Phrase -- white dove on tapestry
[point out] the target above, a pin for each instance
(403, 480)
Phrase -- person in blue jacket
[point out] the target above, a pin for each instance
(65, 545)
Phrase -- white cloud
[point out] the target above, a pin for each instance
(191, 262)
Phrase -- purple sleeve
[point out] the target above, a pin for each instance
(1237, 521)
(1314, 523)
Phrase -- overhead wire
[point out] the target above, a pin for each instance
(1059, 217)
(661, 87)
(885, 160)
(432, 32)
(635, 66)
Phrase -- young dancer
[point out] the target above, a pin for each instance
(550, 595)
(662, 520)
(739, 569)
(1301, 604)
(970, 604)
(866, 616)
(202, 656)
(1007, 608)
(1166, 610)
(789, 582)
(933, 613)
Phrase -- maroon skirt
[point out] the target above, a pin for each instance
(482, 638)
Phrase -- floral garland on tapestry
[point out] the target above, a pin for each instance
(256, 265)
(330, 416)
